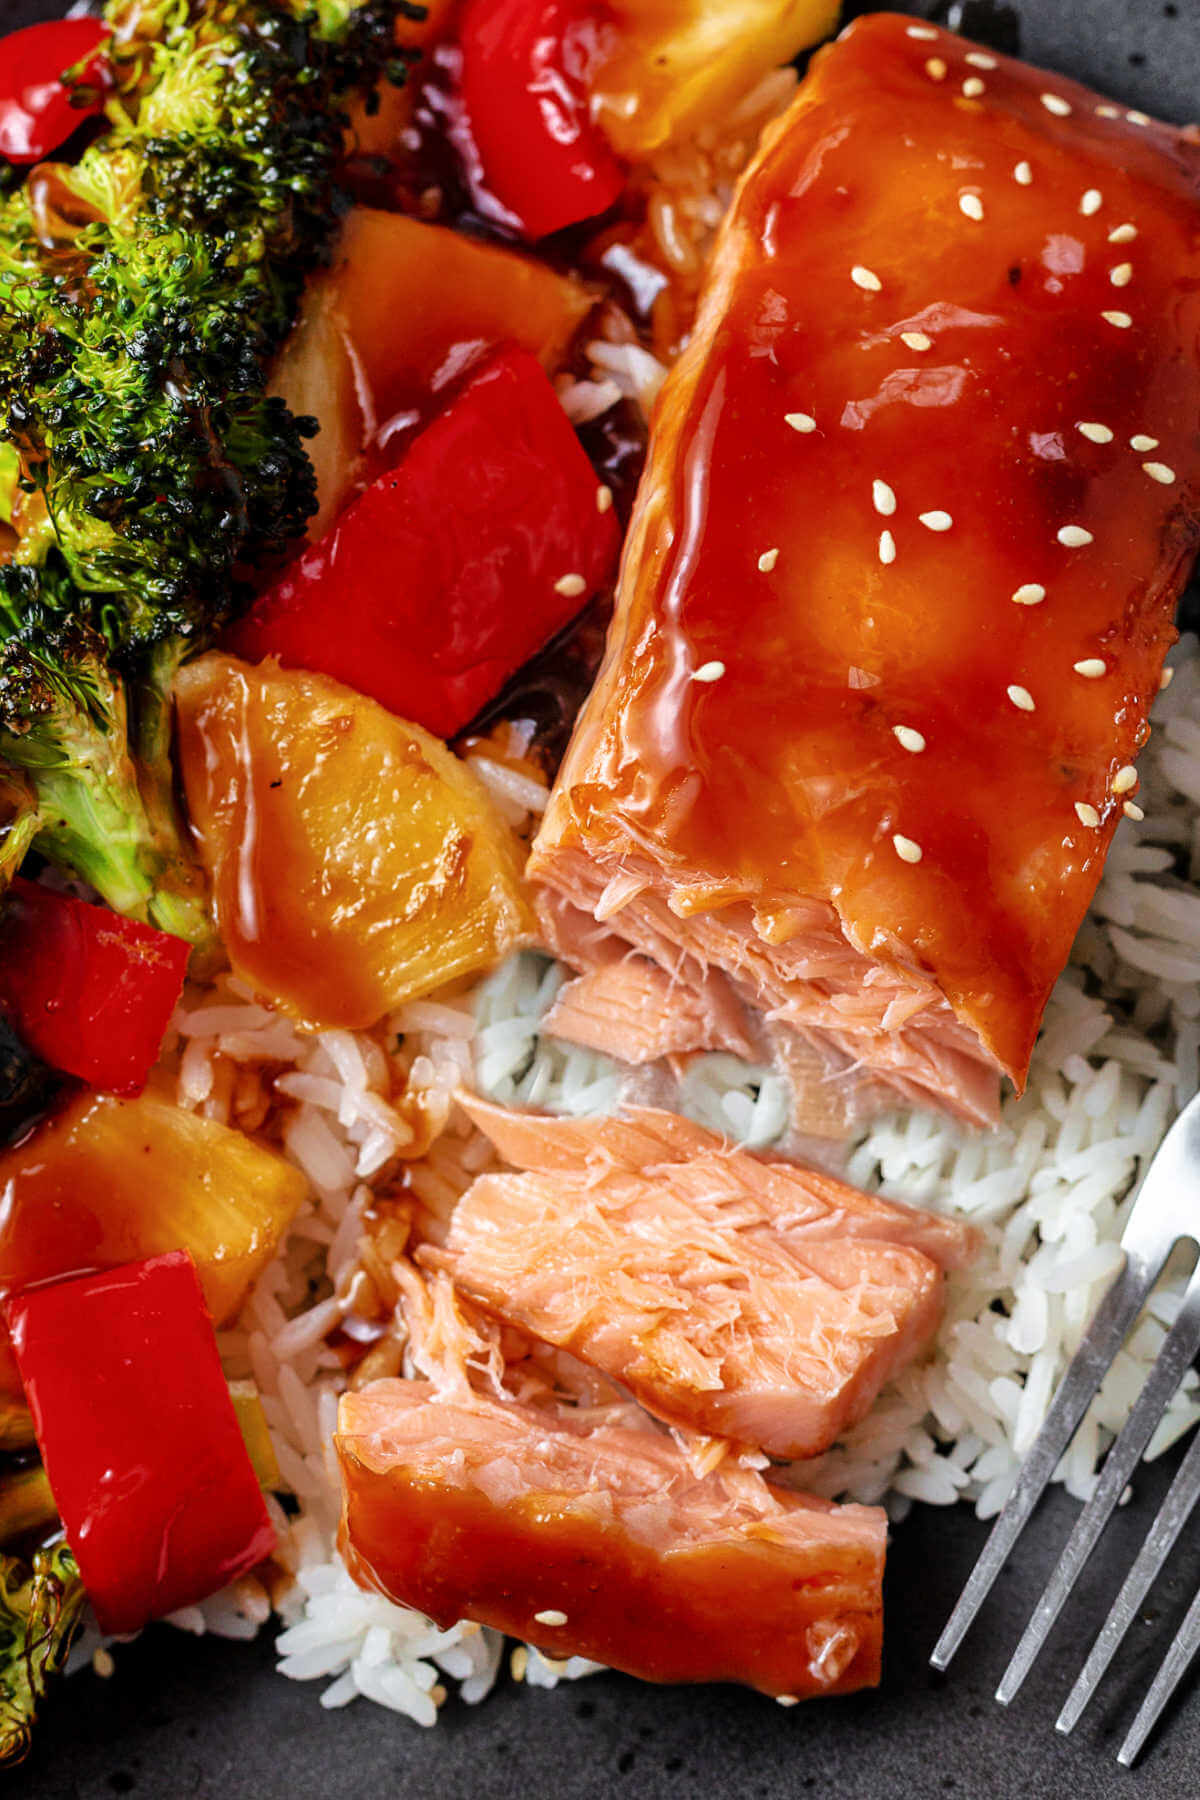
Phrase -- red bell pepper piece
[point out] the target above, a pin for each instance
(452, 569)
(89, 992)
(156, 1492)
(38, 110)
(524, 89)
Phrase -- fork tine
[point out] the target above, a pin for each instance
(1173, 1515)
(1102, 1340)
(1174, 1667)
(1181, 1345)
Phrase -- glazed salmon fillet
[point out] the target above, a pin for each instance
(747, 1300)
(598, 1541)
(921, 495)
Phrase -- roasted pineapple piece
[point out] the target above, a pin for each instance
(354, 861)
(401, 313)
(108, 1181)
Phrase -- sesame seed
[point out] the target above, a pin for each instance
(1030, 593)
(1023, 174)
(1166, 678)
(1159, 472)
(920, 31)
(1122, 275)
(865, 278)
(604, 499)
(709, 671)
(979, 59)
(1091, 668)
(1097, 434)
(801, 422)
(906, 849)
(883, 498)
(1021, 698)
(767, 561)
(936, 521)
(971, 205)
(786, 1700)
(916, 340)
(1142, 442)
(1124, 779)
(1137, 118)
(1106, 111)
(102, 1663)
(519, 1663)
(1123, 234)
(1073, 537)
(570, 586)
(972, 87)
(1054, 103)
(1121, 320)
(887, 547)
(935, 68)
(1087, 815)
(1132, 810)
(908, 739)
(1091, 202)
(551, 1616)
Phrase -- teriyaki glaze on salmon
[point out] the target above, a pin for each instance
(921, 496)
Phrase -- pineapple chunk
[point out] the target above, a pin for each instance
(108, 1181)
(354, 861)
(672, 66)
(402, 312)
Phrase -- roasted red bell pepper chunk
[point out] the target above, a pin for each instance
(524, 90)
(38, 110)
(456, 566)
(89, 992)
(139, 1436)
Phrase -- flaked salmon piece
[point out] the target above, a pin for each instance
(759, 1321)
(602, 1543)
(852, 1034)
(920, 497)
(707, 1315)
(631, 1009)
(803, 1204)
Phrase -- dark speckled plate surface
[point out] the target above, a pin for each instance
(194, 1717)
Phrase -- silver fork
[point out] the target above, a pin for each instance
(1166, 1212)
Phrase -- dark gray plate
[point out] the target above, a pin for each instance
(201, 1718)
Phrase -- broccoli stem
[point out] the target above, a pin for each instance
(92, 818)
(182, 897)
(94, 825)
